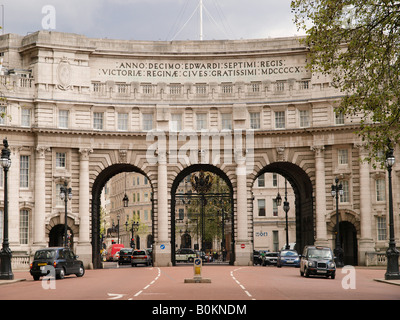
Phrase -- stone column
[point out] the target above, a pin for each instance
(366, 243)
(84, 248)
(39, 215)
(243, 246)
(162, 248)
(13, 196)
(320, 196)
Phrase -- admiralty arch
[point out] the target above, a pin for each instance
(78, 111)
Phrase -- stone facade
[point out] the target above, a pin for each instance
(82, 110)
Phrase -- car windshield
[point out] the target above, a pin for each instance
(125, 251)
(289, 253)
(320, 254)
(45, 254)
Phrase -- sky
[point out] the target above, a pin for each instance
(155, 20)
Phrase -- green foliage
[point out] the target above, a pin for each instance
(357, 42)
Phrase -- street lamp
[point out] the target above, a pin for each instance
(65, 195)
(336, 191)
(118, 217)
(134, 228)
(5, 253)
(125, 200)
(392, 254)
(286, 208)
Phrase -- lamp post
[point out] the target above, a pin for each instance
(5, 253)
(336, 191)
(392, 254)
(118, 217)
(286, 208)
(65, 195)
(134, 228)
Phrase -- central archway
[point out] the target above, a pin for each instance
(182, 175)
(97, 188)
(303, 191)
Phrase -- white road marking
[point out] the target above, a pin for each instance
(238, 282)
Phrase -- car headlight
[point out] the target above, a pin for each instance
(310, 263)
(332, 265)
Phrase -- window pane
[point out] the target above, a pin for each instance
(63, 116)
(123, 121)
(24, 172)
(23, 226)
(280, 119)
(254, 120)
(60, 160)
(98, 120)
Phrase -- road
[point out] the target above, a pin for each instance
(231, 283)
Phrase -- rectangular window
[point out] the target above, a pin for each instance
(346, 195)
(176, 122)
(23, 226)
(274, 208)
(274, 180)
(3, 114)
(60, 160)
(122, 121)
(255, 87)
(227, 88)
(24, 172)
(147, 121)
(201, 89)
(261, 181)
(261, 207)
(254, 120)
(175, 89)
(98, 120)
(380, 190)
(275, 240)
(304, 118)
(304, 84)
(280, 86)
(339, 118)
(201, 121)
(343, 156)
(63, 119)
(26, 117)
(280, 120)
(181, 213)
(226, 121)
(381, 225)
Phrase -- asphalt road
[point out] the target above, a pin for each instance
(232, 283)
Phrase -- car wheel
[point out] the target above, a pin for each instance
(333, 276)
(61, 274)
(307, 273)
(36, 278)
(81, 271)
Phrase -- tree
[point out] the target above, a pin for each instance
(357, 42)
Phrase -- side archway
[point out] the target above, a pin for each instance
(97, 188)
(303, 191)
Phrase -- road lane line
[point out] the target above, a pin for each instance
(240, 285)
(151, 283)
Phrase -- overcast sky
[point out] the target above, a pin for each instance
(163, 20)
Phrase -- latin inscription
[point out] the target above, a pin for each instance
(256, 70)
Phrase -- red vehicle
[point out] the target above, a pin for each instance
(113, 251)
